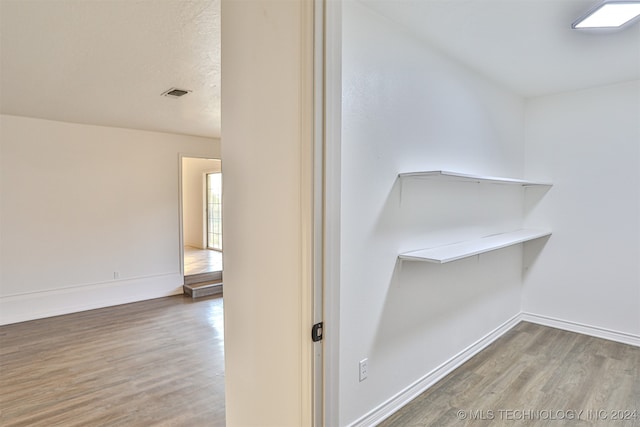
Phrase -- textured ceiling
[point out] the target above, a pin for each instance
(107, 62)
(525, 45)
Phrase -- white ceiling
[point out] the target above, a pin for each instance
(106, 62)
(526, 45)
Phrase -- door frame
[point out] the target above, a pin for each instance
(331, 157)
(182, 156)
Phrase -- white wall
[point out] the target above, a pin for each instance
(588, 143)
(194, 209)
(408, 108)
(80, 203)
(266, 104)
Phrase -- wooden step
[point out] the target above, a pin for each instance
(193, 279)
(203, 289)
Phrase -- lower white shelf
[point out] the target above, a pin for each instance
(456, 251)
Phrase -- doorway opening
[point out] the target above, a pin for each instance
(201, 243)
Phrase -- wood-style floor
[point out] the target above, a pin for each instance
(157, 362)
(198, 261)
(535, 376)
(161, 363)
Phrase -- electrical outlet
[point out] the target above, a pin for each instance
(116, 275)
(364, 369)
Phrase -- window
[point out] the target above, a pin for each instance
(214, 211)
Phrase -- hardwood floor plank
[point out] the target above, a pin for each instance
(158, 362)
(161, 362)
(538, 376)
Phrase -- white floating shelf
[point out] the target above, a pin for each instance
(456, 251)
(470, 178)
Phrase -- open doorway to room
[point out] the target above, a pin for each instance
(201, 243)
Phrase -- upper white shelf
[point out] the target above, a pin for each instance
(456, 251)
(471, 178)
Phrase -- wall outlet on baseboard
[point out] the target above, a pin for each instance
(116, 275)
(364, 369)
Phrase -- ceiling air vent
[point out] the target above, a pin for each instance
(175, 92)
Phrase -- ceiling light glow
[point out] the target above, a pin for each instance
(609, 14)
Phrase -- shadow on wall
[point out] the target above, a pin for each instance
(423, 298)
(422, 295)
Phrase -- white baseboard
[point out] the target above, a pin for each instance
(580, 328)
(37, 305)
(389, 407)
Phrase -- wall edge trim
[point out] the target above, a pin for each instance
(25, 307)
(581, 328)
(396, 402)
(71, 288)
(399, 400)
